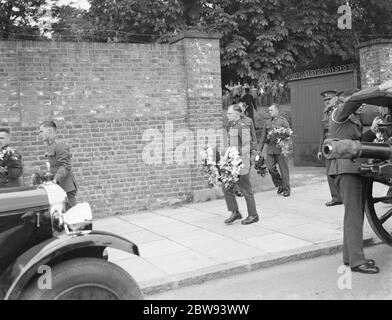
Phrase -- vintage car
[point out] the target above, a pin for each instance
(47, 252)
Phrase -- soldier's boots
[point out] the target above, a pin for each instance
(235, 215)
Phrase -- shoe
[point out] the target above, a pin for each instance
(250, 219)
(370, 262)
(366, 268)
(286, 193)
(332, 203)
(280, 190)
(235, 215)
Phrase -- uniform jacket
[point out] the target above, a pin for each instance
(59, 157)
(250, 102)
(11, 160)
(324, 134)
(275, 122)
(239, 136)
(344, 124)
(253, 142)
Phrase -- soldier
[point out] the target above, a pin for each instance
(274, 152)
(250, 102)
(59, 157)
(345, 124)
(11, 166)
(330, 100)
(239, 136)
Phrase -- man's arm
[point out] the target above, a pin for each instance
(322, 138)
(263, 137)
(369, 96)
(63, 159)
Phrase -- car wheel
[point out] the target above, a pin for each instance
(86, 279)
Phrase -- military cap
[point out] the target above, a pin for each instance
(328, 94)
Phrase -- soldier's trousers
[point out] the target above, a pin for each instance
(333, 188)
(246, 189)
(71, 195)
(279, 180)
(353, 192)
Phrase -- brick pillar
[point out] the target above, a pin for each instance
(203, 91)
(375, 61)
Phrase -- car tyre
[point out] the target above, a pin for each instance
(86, 279)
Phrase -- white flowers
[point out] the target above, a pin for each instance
(6, 152)
(230, 167)
(226, 171)
(281, 137)
(209, 166)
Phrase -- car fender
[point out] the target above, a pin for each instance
(26, 266)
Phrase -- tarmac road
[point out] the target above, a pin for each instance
(313, 279)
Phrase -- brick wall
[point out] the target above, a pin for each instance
(375, 62)
(130, 112)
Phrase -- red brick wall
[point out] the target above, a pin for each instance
(106, 99)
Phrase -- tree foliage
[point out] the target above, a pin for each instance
(19, 18)
(262, 40)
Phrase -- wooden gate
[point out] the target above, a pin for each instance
(307, 107)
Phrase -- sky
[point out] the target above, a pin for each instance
(82, 4)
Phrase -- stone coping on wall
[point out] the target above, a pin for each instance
(374, 42)
(198, 35)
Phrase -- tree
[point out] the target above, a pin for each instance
(19, 18)
(262, 40)
(72, 24)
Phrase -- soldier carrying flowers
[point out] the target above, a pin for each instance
(11, 166)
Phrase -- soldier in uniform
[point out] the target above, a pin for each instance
(59, 158)
(239, 135)
(250, 102)
(330, 102)
(345, 124)
(274, 152)
(11, 166)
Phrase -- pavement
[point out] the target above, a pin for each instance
(192, 244)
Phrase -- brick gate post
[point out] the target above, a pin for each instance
(375, 61)
(203, 94)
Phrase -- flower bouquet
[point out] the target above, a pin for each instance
(229, 167)
(261, 166)
(9, 158)
(281, 137)
(209, 166)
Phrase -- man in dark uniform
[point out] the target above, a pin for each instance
(239, 136)
(274, 152)
(253, 141)
(250, 102)
(11, 166)
(345, 124)
(59, 158)
(330, 102)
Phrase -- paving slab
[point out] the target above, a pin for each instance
(192, 244)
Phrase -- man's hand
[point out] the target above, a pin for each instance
(374, 127)
(320, 155)
(387, 86)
